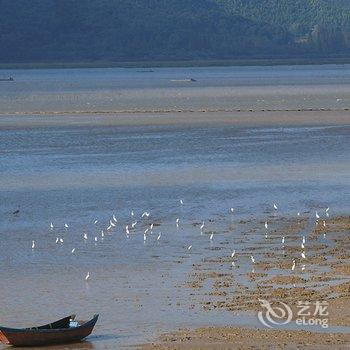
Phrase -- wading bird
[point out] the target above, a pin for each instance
(293, 266)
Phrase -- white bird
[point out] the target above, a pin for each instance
(133, 224)
(327, 214)
(111, 223)
(95, 222)
(275, 206)
(85, 236)
(211, 236)
(293, 266)
(114, 218)
(87, 276)
(303, 255)
(146, 230)
(327, 210)
(252, 259)
(181, 202)
(302, 245)
(202, 226)
(145, 214)
(231, 210)
(61, 240)
(190, 247)
(283, 239)
(317, 216)
(233, 253)
(95, 239)
(151, 227)
(160, 235)
(298, 214)
(33, 244)
(233, 264)
(66, 225)
(73, 250)
(324, 223)
(266, 224)
(132, 213)
(102, 234)
(127, 229)
(303, 267)
(51, 226)
(144, 237)
(177, 222)
(303, 240)
(109, 227)
(57, 239)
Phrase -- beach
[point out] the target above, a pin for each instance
(241, 172)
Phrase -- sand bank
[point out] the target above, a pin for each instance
(323, 275)
(254, 118)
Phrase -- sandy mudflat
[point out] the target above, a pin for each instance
(242, 338)
(261, 118)
(324, 275)
(221, 338)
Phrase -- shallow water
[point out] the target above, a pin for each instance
(118, 89)
(74, 175)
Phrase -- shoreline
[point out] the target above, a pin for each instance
(326, 279)
(180, 63)
(248, 339)
(186, 118)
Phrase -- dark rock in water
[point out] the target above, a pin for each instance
(7, 79)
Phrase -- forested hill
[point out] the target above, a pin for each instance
(127, 30)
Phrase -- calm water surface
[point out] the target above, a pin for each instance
(75, 175)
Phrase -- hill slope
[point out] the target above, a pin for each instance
(120, 30)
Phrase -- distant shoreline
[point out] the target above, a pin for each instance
(183, 63)
(280, 119)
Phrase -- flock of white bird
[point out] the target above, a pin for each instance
(128, 228)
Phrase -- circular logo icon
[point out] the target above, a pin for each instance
(277, 315)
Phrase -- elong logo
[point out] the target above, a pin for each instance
(282, 314)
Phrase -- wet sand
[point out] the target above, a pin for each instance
(220, 338)
(324, 275)
(243, 118)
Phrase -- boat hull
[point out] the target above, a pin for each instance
(40, 337)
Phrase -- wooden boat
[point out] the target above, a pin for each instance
(61, 331)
